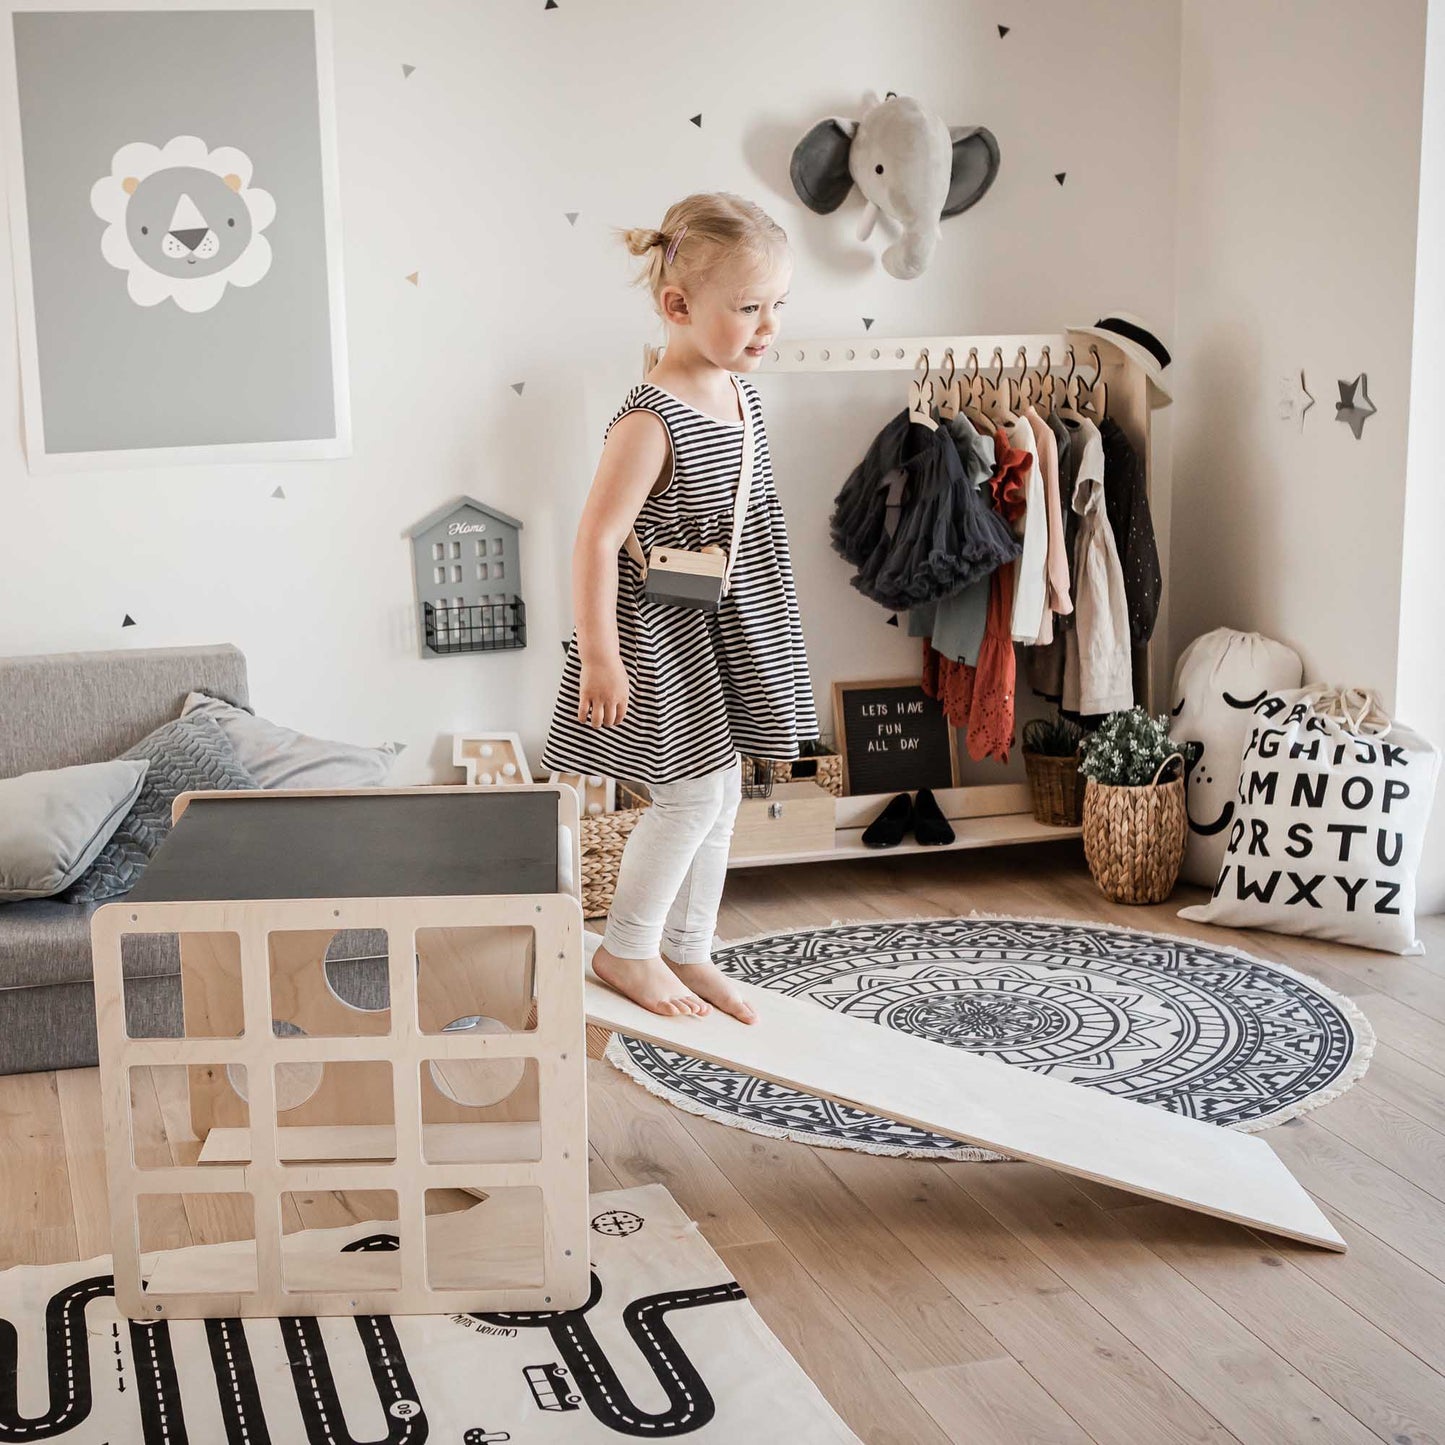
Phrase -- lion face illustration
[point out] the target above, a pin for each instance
(184, 222)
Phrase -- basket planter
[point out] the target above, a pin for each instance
(1056, 789)
(1134, 837)
(603, 839)
(825, 769)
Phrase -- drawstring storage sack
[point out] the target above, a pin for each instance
(1218, 681)
(1330, 815)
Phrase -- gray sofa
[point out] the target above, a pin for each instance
(57, 710)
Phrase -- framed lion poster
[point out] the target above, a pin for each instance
(176, 232)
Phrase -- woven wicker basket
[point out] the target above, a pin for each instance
(603, 839)
(828, 773)
(1056, 789)
(1134, 837)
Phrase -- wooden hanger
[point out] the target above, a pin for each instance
(1042, 384)
(972, 387)
(920, 396)
(1019, 388)
(995, 398)
(1064, 404)
(1095, 394)
(950, 393)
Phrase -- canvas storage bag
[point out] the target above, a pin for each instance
(1218, 681)
(1331, 808)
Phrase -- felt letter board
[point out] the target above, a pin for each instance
(893, 738)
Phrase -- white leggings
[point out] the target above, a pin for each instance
(670, 880)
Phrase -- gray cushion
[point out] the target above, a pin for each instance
(191, 753)
(47, 941)
(54, 822)
(64, 708)
(279, 757)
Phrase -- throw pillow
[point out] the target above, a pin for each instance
(1331, 808)
(280, 757)
(53, 823)
(189, 754)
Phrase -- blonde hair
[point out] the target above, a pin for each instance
(709, 229)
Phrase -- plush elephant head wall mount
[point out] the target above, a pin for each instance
(909, 165)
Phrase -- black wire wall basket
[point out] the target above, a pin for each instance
(481, 627)
(757, 777)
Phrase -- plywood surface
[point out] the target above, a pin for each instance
(1069, 1127)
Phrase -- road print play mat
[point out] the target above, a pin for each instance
(667, 1346)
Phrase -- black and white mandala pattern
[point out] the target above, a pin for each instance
(1189, 1026)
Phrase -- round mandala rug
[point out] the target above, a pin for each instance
(1185, 1025)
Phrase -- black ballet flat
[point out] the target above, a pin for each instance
(890, 827)
(930, 827)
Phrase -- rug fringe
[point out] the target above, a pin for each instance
(1353, 1071)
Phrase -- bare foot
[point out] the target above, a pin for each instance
(711, 983)
(649, 982)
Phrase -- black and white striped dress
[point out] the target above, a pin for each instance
(704, 686)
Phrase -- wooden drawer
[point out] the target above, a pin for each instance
(798, 818)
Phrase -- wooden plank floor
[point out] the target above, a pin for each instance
(991, 1304)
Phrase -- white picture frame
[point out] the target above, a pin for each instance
(43, 455)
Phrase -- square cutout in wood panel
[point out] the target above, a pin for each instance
(477, 979)
(207, 1218)
(147, 956)
(303, 996)
(497, 1245)
(311, 1263)
(485, 1111)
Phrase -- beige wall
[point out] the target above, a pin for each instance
(1299, 146)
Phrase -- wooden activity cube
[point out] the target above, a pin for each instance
(471, 1076)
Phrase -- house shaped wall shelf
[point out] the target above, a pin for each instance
(467, 561)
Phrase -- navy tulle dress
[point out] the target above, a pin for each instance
(912, 520)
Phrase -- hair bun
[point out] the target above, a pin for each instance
(642, 239)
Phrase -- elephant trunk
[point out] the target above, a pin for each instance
(910, 253)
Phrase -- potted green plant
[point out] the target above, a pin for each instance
(1051, 761)
(1135, 824)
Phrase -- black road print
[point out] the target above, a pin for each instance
(690, 1405)
(67, 1365)
(158, 1393)
(316, 1386)
(154, 1412)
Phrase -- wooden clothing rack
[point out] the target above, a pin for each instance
(983, 815)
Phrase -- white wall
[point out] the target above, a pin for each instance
(1299, 147)
(1420, 692)
(463, 172)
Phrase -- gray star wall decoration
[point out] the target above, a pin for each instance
(1354, 407)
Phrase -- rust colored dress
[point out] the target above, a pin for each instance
(980, 700)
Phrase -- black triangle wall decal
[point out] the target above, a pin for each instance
(697, 120)
(1059, 176)
(867, 322)
(1002, 31)
(129, 621)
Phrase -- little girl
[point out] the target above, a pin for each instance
(669, 695)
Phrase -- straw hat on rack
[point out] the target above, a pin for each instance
(1138, 343)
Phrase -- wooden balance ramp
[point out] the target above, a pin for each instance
(977, 1100)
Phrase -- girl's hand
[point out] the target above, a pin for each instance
(604, 692)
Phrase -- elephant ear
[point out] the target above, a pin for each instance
(819, 168)
(975, 164)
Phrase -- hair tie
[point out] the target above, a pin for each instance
(672, 245)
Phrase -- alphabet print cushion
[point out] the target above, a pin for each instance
(1329, 822)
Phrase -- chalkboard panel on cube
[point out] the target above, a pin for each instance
(893, 737)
